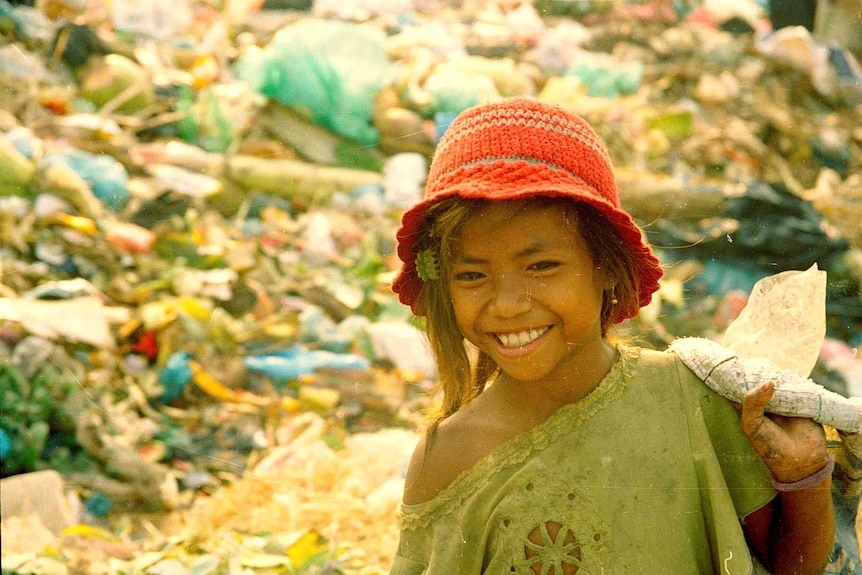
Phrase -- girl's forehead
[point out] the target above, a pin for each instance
(509, 212)
(501, 226)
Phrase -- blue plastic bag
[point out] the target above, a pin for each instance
(5, 445)
(175, 375)
(606, 80)
(106, 176)
(293, 363)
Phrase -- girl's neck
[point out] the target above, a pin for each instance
(576, 381)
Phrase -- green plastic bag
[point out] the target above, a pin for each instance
(327, 70)
(203, 123)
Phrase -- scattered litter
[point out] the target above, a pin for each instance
(198, 206)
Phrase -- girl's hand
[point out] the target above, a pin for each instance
(793, 448)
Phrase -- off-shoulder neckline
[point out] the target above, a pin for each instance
(517, 449)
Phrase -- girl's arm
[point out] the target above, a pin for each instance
(794, 533)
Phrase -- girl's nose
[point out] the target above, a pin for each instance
(510, 298)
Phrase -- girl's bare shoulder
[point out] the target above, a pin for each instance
(454, 446)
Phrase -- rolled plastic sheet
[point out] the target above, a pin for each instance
(777, 337)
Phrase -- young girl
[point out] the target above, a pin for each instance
(557, 451)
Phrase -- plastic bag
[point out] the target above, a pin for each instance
(293, 363)
(605, 77)
(454, 90)
(106, 176)
(203, 122)
(159, 19)
(329, 70)
(784, 321)
(775, 231)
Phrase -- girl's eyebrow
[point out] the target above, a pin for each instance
(535, 247)
(468, 259)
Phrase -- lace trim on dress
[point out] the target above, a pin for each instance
(519, 448)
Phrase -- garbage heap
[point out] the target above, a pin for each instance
(204, 366)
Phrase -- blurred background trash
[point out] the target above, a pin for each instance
(41, 494)
(198, 204)
(328, 69)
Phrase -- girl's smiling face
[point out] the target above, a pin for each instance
(525, 290)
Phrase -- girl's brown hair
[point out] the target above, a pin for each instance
(462, 377)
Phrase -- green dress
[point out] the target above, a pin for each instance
(650, 473)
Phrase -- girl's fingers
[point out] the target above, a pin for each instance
(792, 448)
(753, 405)
(765, 435)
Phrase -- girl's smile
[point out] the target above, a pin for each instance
(522, 338)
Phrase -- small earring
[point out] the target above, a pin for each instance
(614, 300)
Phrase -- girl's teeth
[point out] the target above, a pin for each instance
(520, 339)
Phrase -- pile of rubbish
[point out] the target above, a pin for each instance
(204, 369)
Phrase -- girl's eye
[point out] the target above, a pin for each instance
(469, 276)
(544, 266)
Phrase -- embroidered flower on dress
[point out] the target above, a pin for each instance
(553, 549)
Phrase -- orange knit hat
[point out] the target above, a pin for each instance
(515, 149)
